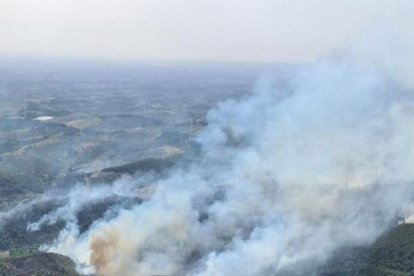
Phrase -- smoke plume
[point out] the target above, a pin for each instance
(285, 177)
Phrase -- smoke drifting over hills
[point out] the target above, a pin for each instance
(299, 169)
(285, 177)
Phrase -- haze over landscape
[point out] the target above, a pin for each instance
(182, 137)
(211, 30)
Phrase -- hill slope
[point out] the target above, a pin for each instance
(38, 264)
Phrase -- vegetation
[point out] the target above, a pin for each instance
(391, 255)
(38, 264)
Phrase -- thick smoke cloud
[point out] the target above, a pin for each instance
(286, 176)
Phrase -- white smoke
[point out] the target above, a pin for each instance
(286, 177)
(79, 197)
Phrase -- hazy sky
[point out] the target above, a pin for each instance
(214, 30)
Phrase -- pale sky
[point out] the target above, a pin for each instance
(212, 30)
